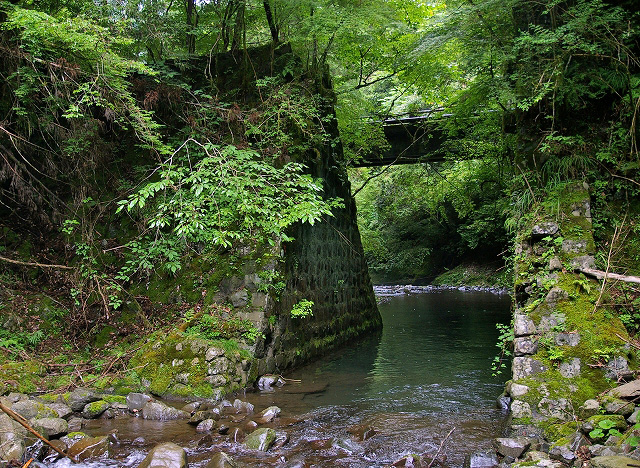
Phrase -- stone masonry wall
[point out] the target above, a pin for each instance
(566, 350)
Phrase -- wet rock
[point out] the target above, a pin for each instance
(139, 442)
(80, 397)
(346, 445)
(60, 445)
(237, 435)
(191, 407)
(63, 411)
(260, 439)
(50, 427)
(11, 441)
(73, 437)
(223, 429)
(503, 402)
(207, 425)
(90, 447)
(199, 416)
(612, 462)
(570, 369)
(408, 461)
(524, 346)
(633, 418)
(523, 325)
(266, 382)
(250, 426)
(511, 447)
(520, 409)
(94, 409)
(526, 366)
(159, 411)
(481, 460)
(136, 401)
(221, 460)
(75, 424)
(320, 444)
(268, 415)
(282, 439)
(165, 455)
(243, 406)
(32, 409)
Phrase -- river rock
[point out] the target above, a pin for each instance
(243, 406)
(408, 461)
(266, 382)
(221, 460)
(199, 416)
(63, 411)
(282, 439)
(511, 447)
(90, 447)
(11, 440)
(136, 401)
(541, 460)
(60, 445)
(237, 435)
(268, 415)
(32, 409)
(191, 407)
(261, 439)
(51, 427)
(165, 455)
(633, 418)
(481, 460)
(612, 462)
(627, 391)
(206, 426)
(159, 411)
(80, 397)
(94, 409)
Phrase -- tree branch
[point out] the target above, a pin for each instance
(35, 264)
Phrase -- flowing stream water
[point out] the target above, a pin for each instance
(422, 386)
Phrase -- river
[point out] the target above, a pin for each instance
(422, 386)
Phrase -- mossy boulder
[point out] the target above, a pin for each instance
(94, 409)
(260, 439)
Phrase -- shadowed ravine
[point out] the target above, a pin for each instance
(403, 391)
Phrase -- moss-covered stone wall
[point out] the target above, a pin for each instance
(568, 345)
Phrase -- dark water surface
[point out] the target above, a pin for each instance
(427, 373)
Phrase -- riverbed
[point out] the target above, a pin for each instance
(422, 386)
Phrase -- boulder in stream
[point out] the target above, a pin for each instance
(268, 415)
(136, 401)
(261, 439)
(80, 397)
(50, 427)
(11, 440)
(165, 455)
(90, 447)
(161, 412)
(221, 460)
(94, 409)
(481, 460)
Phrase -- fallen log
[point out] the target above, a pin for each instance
(599, 274)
